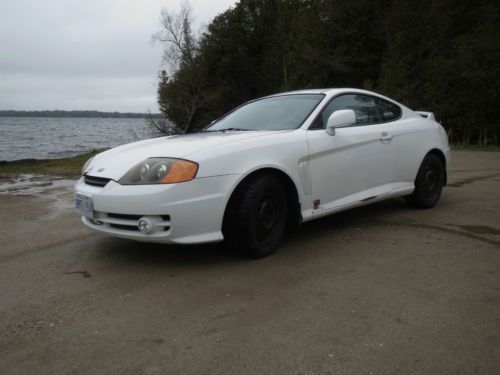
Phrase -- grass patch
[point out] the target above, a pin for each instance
(56, 167)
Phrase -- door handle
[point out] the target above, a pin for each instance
(385, 137)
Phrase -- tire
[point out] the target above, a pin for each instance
(428, 184)
(256, 218)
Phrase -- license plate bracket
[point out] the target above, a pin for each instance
(83, 204)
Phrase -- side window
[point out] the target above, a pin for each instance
(389, 111)
(368, 110)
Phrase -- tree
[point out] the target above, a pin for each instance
(181, 96)
(176, 33)
(437, 55)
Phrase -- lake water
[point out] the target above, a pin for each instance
(53, 138)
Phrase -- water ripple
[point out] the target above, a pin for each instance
(52, 138)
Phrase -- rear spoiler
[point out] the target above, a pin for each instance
(428, 115)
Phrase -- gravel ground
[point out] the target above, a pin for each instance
(382, 289)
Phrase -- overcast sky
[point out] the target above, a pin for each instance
(85, 54)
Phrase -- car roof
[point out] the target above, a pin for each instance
(307, 91)
(334, 91)
(325, 91)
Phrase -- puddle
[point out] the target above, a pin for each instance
(479, 229)
(30, 184)
(55, 190)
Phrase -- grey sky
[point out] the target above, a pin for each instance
(85, 54)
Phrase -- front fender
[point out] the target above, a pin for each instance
(286, 152)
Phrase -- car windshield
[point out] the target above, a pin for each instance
(276, 113)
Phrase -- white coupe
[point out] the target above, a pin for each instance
(264, 168)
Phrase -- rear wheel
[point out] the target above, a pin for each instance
(256, 217)
(428, 184)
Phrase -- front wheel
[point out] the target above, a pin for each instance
(256, 218)
(428, 184)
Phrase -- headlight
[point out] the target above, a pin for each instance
(160, 171)
(85, 166)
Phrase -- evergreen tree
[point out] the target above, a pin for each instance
(436, 55)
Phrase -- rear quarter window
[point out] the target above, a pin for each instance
(389, 111)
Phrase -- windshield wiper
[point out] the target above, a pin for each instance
(227, 129)
(236, 129)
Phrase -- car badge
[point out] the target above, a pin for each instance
(100, 170)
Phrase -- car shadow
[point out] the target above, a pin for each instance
(359, 217)
(151, 253)
(205, 254)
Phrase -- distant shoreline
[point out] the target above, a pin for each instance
(76, 114)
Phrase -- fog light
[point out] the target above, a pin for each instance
(145, 226)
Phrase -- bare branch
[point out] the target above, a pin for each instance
(162, 125)
(181, 48)
(177, 36)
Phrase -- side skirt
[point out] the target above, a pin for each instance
(401, 191)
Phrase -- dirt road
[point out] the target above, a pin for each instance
(382, 289)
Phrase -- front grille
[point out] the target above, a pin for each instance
(126, 217)
(96, 181)
(125, 222)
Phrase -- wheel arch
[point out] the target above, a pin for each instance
(440, 154)
(294, 218)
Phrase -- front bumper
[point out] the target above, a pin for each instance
(188, 213)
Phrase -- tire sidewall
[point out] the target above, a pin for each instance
(257, 191)
(423, 198)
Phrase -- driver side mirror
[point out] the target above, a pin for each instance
(340, 119)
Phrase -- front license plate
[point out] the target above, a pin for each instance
(83, 204)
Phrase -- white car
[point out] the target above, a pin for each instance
(264, 168)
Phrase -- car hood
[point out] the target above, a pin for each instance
(116, 162)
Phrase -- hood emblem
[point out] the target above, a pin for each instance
(100, 170)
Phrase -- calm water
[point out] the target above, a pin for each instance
(52, 138)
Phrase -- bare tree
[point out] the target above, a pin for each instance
(177, 36)
(181, 47)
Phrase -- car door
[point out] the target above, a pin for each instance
(355, 164)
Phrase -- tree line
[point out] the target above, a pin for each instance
(441, 55)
